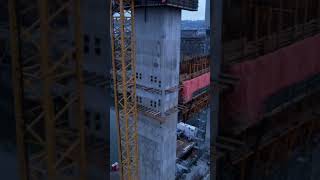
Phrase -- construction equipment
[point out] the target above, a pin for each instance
(124, 78)
(48, 92)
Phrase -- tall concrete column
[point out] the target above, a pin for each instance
(207, 14)
(96, 40)
(157, 65)
(216, 57)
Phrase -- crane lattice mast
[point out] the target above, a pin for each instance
(48, 88)
(124, 78)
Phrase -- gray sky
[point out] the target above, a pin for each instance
(198, 15)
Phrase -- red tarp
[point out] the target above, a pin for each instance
(191, 86)
(267, 74)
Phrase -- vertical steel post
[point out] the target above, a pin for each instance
(244, 20)
(115, 79)
(79, 75)
(256, 22)
(108, 86)
(305, 17)
(35, 80)
(46, 89)
(216, 22)
(318, 15)
(280, 16)
(296, 21)
(18, 89)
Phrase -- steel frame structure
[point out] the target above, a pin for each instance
(269, 155)
(48, 88)
(259, 38)
(278, 150)
(194, 107)
(123, 62)
(276, 24)
(259, 151)
(194, 67)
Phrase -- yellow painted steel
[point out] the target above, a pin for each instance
(80, 90)
(17, 91)
(48, 88)
(124, 78)
(47, 85)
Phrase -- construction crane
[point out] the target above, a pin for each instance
(124, 81)
(48, 88)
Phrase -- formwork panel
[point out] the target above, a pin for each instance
(262, 77)
(189, 87)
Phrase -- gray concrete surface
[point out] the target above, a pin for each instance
(207, 14)
(158, 37)
(95, 61)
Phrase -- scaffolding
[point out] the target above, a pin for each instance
(193, 67)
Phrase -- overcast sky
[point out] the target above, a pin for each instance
(198, 15)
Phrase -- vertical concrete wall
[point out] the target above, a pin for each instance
(158, 53)
(95, 30)
(207, 15)
(158, 56)
(95, 39)
(157, 148)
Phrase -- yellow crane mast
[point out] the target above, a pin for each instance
(47, 85)
(124, 78)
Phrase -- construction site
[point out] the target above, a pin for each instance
(125, 90)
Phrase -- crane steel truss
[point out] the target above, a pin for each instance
(48, 90)
(123, 61)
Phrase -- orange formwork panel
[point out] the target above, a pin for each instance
(189, 87)
(266, 75)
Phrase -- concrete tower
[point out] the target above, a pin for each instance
(158, 57)
(207, 18)
(158, 34)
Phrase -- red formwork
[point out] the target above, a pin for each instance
(261, 77)
(193, 85)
